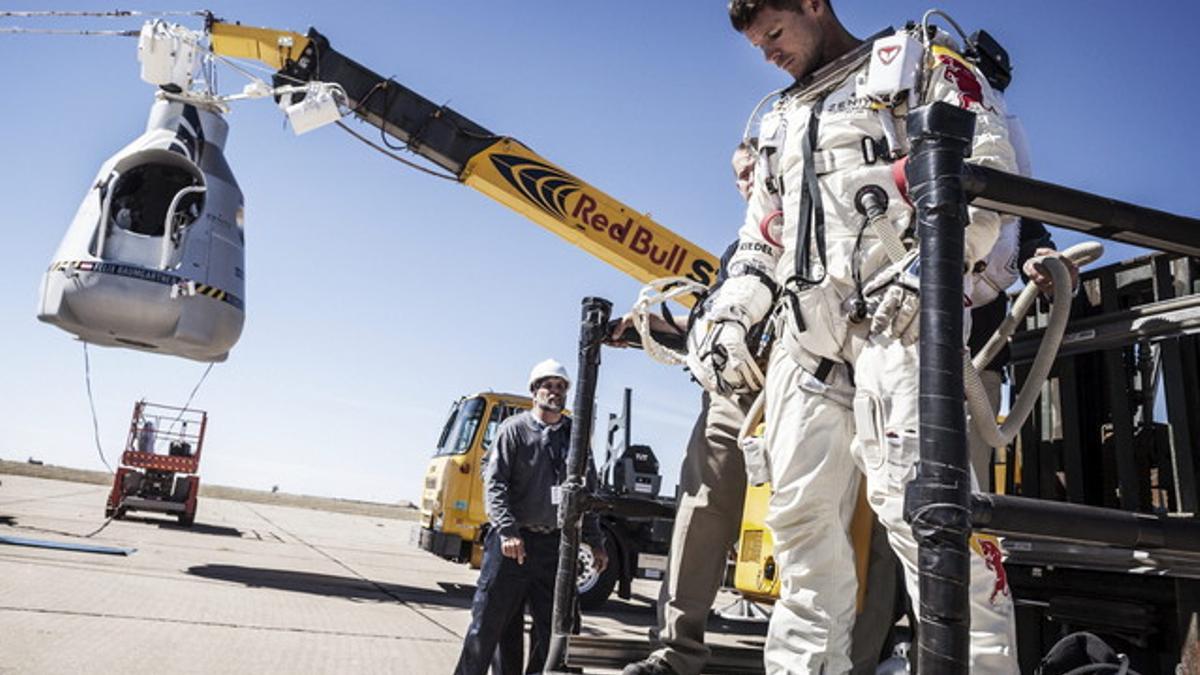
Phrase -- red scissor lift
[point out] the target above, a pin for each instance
(160, 466)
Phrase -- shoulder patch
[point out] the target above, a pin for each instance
(960, 74)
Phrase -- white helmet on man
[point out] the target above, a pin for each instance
(548, 368)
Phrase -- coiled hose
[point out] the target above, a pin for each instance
(982, 415)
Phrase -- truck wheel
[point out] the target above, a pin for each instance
(595, 587)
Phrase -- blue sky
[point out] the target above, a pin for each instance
(377, 295)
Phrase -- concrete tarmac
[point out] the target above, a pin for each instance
(250, 588)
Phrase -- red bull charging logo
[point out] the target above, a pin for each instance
(970, 92)
(993, 558)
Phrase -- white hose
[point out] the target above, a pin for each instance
(1081, 254)
(982, 414)
(754, 450)
(753, 417)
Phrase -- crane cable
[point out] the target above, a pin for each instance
(116, 13)
(113, 14)
(244, 69)
(227, 61)
(407, 162)
(16, 30)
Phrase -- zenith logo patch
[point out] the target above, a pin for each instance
(888, 54)
(545, 186)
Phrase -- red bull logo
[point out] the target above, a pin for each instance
(970, 92)
(989, 550)
(552, 191)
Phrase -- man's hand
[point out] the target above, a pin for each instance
(625, 323)
(898, 309)
(1039, 276)
(600, 555)
(513, 547)
(897, 314)
(619, 327)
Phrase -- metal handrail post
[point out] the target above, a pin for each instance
(936, 501)
(576, 500)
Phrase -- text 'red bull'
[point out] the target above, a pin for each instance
(640, 240)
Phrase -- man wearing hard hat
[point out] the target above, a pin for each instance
(522, 478)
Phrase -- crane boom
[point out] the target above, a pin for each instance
(499, 166)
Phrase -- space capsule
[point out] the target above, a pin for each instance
(154, 258)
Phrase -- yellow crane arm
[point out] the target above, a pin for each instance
(498, 166)
(272, 47)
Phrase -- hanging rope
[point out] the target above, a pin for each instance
(197, 387)
(658, 292)
(87, 375)
(190, 397)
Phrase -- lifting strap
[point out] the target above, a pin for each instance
(812, 211)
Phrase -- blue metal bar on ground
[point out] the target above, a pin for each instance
(67, 546)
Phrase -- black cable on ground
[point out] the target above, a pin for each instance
(375, 584)
(64, 533)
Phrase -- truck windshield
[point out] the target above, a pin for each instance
(460, 428)
(448, 427)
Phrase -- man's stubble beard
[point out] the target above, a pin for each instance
(548, 405)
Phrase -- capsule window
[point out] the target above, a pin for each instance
(142, 197)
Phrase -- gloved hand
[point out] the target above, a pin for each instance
(720, 359)
(1038, 275)
(718, 355)
(898, 307)
(897, 314)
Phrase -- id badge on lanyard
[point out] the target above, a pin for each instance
(558, 457)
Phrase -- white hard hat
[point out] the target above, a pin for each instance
(548, 368)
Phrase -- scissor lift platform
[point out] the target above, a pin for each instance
(162, 482)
